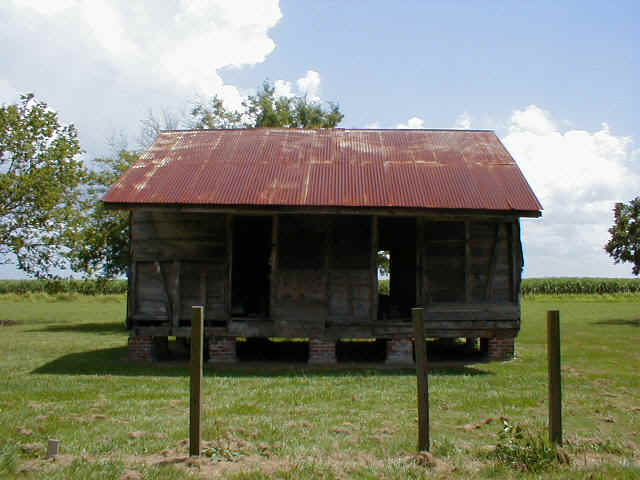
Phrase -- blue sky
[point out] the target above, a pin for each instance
(555, 80)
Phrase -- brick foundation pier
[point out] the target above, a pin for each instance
(145, 348)
(222, 350)
(399, 351)
(499, 349)
(322, 351)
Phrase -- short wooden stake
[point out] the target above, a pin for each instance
(53, 447)
(423, 379)
(195, 404)
(555, 379)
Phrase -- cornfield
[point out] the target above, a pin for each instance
(56, 287)
(572, 285)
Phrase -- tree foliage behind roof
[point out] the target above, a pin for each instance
(265, 109)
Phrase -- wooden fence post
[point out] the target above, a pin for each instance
(423, 380)
(195, 403)
(555, 379)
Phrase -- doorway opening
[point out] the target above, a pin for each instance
(397, 262)
(251, 271)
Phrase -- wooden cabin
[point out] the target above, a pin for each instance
(276, 232)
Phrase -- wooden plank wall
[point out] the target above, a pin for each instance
(322, 267)
(178, 260)
(470, 262)
(323, 270)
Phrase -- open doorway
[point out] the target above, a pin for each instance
(397, 263)
(251, 272)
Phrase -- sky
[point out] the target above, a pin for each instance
(555, 80)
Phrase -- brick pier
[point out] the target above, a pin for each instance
(222, 350)
(322, 351)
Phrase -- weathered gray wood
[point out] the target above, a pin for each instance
(492, 263)
(555, 379)
(195, 402)
(165, 289)
(229, 244)
(468, 278)
(422, 378)
(203, 289)
(517, 260)
(373, 285)
(420, 242)
(273, 280)
(177, 305)
(132, 291)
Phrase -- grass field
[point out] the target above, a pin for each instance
(63, 375)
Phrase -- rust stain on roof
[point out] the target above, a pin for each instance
(443, 169)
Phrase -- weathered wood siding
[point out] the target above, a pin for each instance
(323, 270)
(178, 260)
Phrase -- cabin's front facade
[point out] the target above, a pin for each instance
(276, 233)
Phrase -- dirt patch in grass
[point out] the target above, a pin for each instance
(8, 323)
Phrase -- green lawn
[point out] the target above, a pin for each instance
(64, 375)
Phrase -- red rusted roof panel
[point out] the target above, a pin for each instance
(439, 169)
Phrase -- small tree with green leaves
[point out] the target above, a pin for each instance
(101, 248)
(40, 180)
(265, 109)
(624, 244)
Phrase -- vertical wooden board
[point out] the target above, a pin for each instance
(229, 262)
(491, 272)
(273, 280)
(555, 379)
(132, 292)
(419, 261)
(422, 370)
(468, 278)
(177, 294)
(203, 289)
(373, 288)
(195, 398)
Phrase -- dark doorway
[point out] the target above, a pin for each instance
(250, 279)
(398, 240)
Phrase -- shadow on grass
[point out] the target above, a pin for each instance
(99, 328)
(113, 361)
(619, 321)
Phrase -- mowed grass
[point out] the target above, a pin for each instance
(64, 375)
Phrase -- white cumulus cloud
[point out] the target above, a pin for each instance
(310, 85)
(578, 176)
(120, 58)
(463, 121)
(413, 123)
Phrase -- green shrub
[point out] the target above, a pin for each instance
(523, 451)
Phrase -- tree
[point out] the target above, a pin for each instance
(624, 244)
(102, 247)
(264, 109)
(40, 178)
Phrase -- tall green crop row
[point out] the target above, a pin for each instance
(571, 285)
(55, 287)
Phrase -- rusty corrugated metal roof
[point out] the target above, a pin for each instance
(434, 169)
